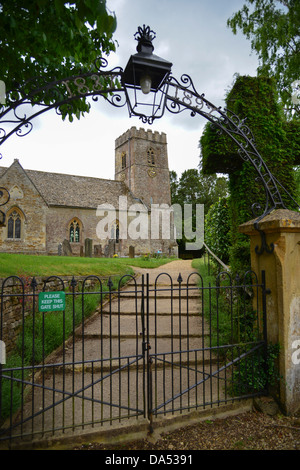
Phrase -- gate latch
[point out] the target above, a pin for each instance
(146, 346)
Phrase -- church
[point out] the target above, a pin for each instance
(59, 214)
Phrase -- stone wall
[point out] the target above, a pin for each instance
(282, 230)
(15, 308)
(28, 202)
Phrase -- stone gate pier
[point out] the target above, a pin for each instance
(282, 267)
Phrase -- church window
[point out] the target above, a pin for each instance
(123, 160)
(151, 157)
(14, 225)
(115, 232)
(74, 231)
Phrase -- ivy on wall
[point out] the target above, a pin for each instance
(276, 140)
(217, 229)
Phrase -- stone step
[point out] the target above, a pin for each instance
(162, 325)
(165, 305)
(93, 349)
(197, 362)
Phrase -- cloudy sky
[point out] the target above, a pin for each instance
(194, 36)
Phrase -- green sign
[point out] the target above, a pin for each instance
(52, 301)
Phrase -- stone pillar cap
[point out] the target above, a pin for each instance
(280, 220)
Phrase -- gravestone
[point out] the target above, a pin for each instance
(111, 248)
(66, 248)
(106, 251)
(60, 249)
(98, 251)
(131, 252)
(88, 246)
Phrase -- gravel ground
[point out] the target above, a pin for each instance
(248, 431)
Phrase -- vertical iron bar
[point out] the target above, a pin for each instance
(150, 404)
(110, 285)
(43, 370)
(265, 332)
(143, 344)
(203, 340)
(172, 345)
(188, 341)
(23, 356)
(53, 400)
(1, 336)
(210, 343)
(196, 377)
(180, 344)
(11, 405)
(33, 285)
(188, 338)
(73, 285)
(119, 349)
(218, 293)
(149, 361)
(164, 382)
(82, 355)
(92, 404)
(64, 372)
(101, 355)
(128, 388)
(137, 345)
(155, 339)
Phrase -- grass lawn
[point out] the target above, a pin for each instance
(31, 265)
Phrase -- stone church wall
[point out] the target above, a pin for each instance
(28, 203)
(58, 223)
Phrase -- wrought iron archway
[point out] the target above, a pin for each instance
(173, 95)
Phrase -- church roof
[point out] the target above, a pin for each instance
(59, 189)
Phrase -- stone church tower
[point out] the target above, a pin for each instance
(141, 161)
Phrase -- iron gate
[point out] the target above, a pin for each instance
(148, 349)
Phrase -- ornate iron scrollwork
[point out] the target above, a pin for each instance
(37, 96)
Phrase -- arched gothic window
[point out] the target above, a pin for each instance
(115, 232)
(74, 231)
(14, 224)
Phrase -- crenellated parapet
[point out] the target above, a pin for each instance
(133, 132)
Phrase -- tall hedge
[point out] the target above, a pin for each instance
(255, 100)
(217, 229)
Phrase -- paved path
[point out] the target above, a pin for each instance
(113, 379)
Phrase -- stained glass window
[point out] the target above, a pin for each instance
(14, 225)
(74, 232)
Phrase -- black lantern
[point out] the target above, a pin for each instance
(145, 78)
